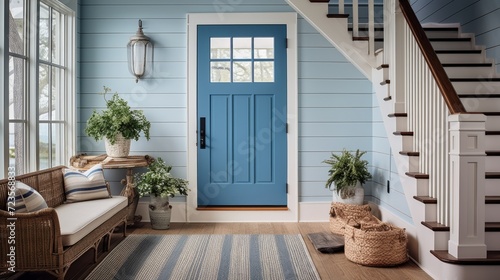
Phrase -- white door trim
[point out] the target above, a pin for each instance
(290, 19)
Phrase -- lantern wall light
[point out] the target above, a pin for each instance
(140, 54)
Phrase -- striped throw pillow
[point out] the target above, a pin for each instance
(88, 185)
(28, 199)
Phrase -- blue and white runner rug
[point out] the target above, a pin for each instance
(261, 256)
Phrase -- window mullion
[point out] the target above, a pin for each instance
(4, 78)
(32, 96)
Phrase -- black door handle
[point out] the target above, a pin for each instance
(202, 133)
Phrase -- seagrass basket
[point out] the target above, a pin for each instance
(375, 244)
(340, 213)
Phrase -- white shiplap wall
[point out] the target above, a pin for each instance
(335, 100)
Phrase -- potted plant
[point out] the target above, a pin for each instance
(348, 172)
(159, 183)
(118, 124)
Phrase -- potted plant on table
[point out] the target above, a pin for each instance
(348, 172)
(159, 183)
(118, 124)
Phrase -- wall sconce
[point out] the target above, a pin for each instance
(140, 54)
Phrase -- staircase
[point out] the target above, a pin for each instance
(450, 172)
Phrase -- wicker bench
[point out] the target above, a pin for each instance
(41, 243)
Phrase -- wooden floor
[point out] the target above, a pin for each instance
(330, 266)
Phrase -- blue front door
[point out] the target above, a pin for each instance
(242, 89)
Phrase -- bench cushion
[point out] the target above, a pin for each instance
(80, 218)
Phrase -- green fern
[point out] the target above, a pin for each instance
(345, 171)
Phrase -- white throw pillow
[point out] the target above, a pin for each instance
(88, 185)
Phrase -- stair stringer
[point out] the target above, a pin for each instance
(421, 239)
(336, 32)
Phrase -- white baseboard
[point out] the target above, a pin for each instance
(314, 211)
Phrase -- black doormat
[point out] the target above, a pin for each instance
(327, 242)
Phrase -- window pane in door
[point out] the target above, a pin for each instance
(242, 71)
(263, 48)
(43, 146)
(242, 48)
(264, 71)
(220, 48)
(220, 72)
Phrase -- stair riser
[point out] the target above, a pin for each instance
(477, 87)
(441, 34)
(492, 187)
(447, 45)
(491, 213)
(492, 163)
(481, 104)
(492, 142)
(413, 164)
(461, 58)
(426, 213)
(493, 123)
(492, 240)
(469, 72)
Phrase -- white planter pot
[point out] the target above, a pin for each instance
(121, 148)
(160, 212)
(357, 199)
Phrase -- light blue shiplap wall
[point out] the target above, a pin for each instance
(480, 17)
(335, 101)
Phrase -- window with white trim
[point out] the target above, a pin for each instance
(41, 78)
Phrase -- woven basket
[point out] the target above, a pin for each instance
(375, 244)
(340, 213)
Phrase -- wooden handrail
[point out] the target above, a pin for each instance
(443, 82)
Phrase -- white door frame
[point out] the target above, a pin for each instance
(292, 214)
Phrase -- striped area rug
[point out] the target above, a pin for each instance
(208, 257)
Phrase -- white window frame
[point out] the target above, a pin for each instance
(292, 214)
(69, 103)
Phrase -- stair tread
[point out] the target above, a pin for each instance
(492, 258)
(398, 115)
(387, 98)
(366, 29)
(492, 153)
(492, 132)
(449, 39)
(337, 15)
(492, 226)
(383, 66)
(478, 96)
(492, 199)
(385, 82)
(486, 64)
(417, 175)
(319, 1)
(458, 51)
(440, 28)
(409, 153)
(435, 226)
(475, 79)
(403, 133)
(492, 175)
(426, 199)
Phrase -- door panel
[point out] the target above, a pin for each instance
(242, 96)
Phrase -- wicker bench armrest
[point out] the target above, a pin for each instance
(36, 237)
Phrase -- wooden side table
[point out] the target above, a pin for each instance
(84, 162)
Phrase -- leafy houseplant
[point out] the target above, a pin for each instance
(117, 121)
(158, 181)
(346, 170)
(160, 184)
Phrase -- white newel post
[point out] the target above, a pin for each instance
(467, 156)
